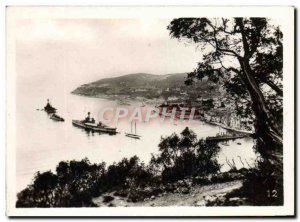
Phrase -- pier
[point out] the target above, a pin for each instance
(225, 138)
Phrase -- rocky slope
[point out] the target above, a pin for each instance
(197, 196)
(218, 190)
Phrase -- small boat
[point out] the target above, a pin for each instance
(56, 117)
(48, 108)
(133, 135)
(225, 143)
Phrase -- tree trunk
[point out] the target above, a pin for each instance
(267, 130)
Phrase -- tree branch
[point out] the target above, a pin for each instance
(233, 53)
(274, 87)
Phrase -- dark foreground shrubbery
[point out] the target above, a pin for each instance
(70, 186)
(182, 161)
(262, 186)
(75, 183)
(184, 156)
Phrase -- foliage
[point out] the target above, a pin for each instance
(208, 104)
(70, 186)
(126, 173)
(77, 182)
(183, 156)
(263, 185)
(245, 56)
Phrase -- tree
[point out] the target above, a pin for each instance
(245, 55)
(185, 155)
(43, 184)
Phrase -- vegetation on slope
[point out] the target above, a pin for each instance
(182, 162)
(147, 86)
(76, 182)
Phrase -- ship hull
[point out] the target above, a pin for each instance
(132, 135)
(93, 127)
(57, 118)
(50, 111)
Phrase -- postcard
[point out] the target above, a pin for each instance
(150, 111)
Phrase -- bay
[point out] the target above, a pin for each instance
(42, 143)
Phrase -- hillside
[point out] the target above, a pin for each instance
(147, 86)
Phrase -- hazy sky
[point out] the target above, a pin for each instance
(80, 51)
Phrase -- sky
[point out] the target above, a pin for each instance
(79, 51)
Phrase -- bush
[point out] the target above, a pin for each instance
(183, 156)
(76, 182)
(263, 185)
(125, 174)
(107, 199)
(69, 187)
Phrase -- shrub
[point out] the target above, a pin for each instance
(76, 182)
(107, 199)
(263, 185)
(183, 156)
(69, 187)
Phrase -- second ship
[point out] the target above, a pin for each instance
(90, 124)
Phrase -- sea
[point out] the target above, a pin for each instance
(42, 143)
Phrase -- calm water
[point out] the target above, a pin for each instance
(42, 143)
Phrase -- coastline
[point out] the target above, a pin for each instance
(126, 101)
(229, 128)
(121, 100)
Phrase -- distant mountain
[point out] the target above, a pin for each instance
(148, 86)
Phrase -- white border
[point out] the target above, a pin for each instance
(286, 14)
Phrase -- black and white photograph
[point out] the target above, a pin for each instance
(150, 111)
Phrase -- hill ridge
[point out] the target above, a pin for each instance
(145, 85)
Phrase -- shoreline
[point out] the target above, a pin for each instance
(151, 102)
(229, 128)
(120, 100)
